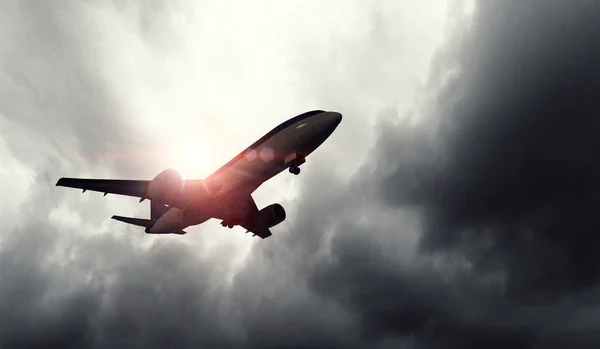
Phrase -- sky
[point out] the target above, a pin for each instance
(454, 207)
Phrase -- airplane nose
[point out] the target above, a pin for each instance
(337, 118)
(334, 119)
(330, 122)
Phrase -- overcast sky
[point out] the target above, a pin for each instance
(455, 206)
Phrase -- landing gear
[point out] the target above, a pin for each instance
(294, 160)
(227, 224)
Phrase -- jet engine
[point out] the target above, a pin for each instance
(270, 216)
(166, 187)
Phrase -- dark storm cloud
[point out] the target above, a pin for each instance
(63, 288)
(518, 167)
(107, 291)
(506, 182)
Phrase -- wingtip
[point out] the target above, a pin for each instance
(60, 180)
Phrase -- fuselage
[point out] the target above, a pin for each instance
(284, 147)
(266, 157)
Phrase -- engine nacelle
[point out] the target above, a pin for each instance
(166, 187)
(270, 216)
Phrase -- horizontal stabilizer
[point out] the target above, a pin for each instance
(146, 223)
(140, 222)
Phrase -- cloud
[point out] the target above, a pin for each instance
(469, 224)
(517, 168)
(501, 168)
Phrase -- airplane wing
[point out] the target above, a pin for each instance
(263, 232)
(136, 188)
(240, 206)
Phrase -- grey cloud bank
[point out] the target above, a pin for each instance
(474, 228)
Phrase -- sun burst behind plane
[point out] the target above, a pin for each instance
(192, 160)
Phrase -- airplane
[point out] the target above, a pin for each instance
(226, 194)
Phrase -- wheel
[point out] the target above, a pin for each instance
(295, 170)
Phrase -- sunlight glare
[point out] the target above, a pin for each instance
(198, 156)
(194, 162)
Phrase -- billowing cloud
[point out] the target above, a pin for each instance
(512, 171)
(502, 172)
